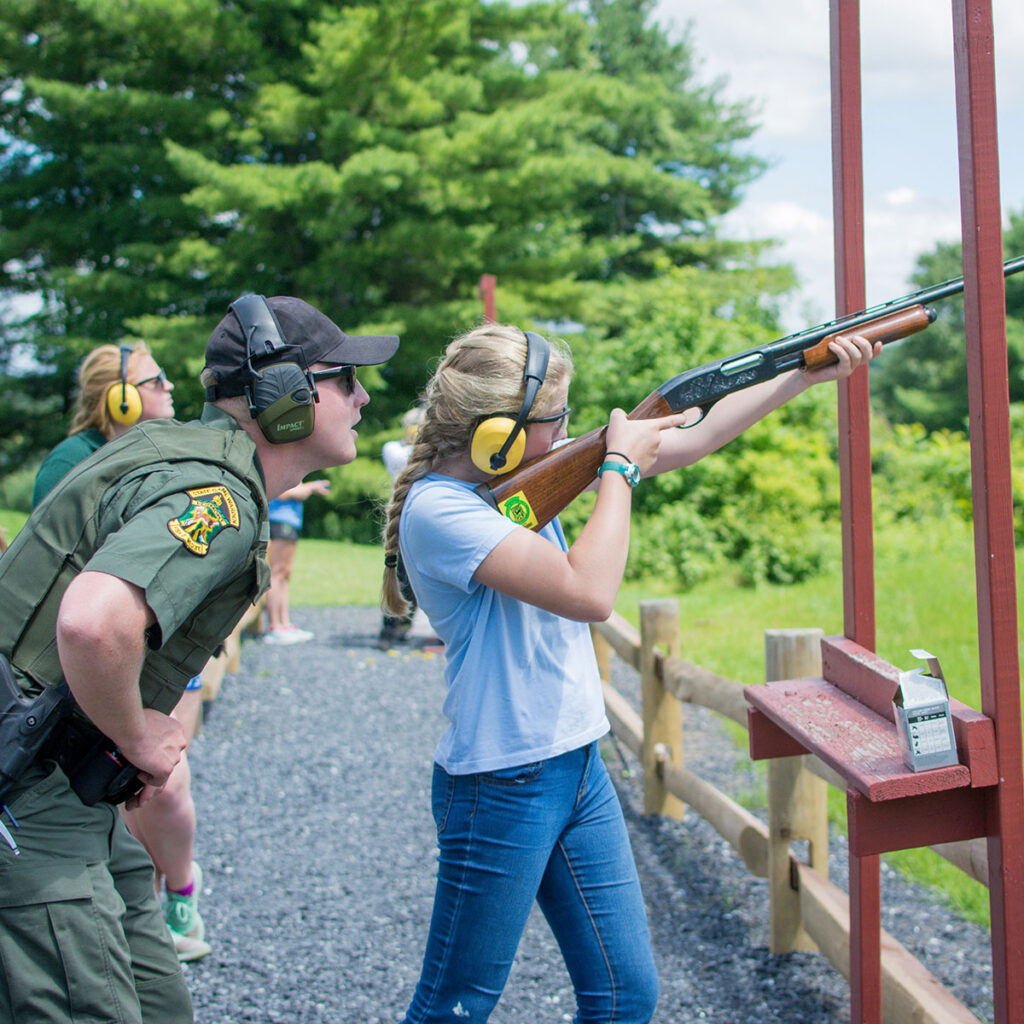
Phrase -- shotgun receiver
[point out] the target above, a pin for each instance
(537, 491)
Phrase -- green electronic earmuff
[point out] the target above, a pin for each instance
(499, 441)
(281, 393)
(124, 403)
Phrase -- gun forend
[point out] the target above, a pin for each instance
(891, 327)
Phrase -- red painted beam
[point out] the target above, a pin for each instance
(985, 329)
(769, 740)
(865, 941)
(487, 287)
(854, 413)
(948, 817)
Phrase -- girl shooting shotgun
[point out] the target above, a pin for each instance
(523, 805)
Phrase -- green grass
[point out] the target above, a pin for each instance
(924, 584)
(335, 572)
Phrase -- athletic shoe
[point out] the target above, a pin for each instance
(182, 916)
(302, 634)
(190, 948)
(285, 636)
(390, 637)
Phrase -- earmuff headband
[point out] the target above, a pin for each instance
(259, 325)
(282, 391)
(126, 351)
(123, 401)
(538, 352)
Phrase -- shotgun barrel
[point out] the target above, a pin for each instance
(534, 493)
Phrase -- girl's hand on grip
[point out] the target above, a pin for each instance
(639, 439)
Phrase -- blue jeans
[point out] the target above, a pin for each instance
(551, 831)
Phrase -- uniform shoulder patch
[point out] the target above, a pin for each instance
(210, 510)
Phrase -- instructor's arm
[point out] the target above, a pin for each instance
(101, 642)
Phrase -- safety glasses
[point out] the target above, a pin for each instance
(160, 378)
(346, 375)
(557, 417)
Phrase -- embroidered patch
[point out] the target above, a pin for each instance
(211, 510)
(517, 508)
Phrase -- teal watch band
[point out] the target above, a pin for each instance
(630, 470)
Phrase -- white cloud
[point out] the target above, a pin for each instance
(777, 54)
(902, 196)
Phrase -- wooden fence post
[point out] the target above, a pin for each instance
(797, 800)
(662, 713)
(602, 654)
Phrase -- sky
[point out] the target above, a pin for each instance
(776, 54)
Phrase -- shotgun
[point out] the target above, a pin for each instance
(533, 494)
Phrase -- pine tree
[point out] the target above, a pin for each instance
(160, 157)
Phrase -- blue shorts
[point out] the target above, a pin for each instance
(283, 531)
(195, 683)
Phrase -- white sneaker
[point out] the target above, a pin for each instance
(282, 636)
(301, 635)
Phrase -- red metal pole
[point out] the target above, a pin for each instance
(854, 416)
(487, 284)
(988, 389)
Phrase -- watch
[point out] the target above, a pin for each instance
(630, 470)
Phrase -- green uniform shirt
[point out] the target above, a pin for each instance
(65, 456)
(179, 510)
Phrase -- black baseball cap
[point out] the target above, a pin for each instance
(301, 327)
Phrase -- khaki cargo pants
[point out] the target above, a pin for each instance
(82, 938)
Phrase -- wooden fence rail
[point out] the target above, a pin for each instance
(807, 910)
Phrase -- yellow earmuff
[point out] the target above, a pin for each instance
(489, 438)
(124, 403)
(499, 441)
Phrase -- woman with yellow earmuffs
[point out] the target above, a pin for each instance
(523, 805)
(118, 386)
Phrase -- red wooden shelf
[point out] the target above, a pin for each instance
(848, 736)
(846, 720)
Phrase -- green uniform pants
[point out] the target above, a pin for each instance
(82, 938)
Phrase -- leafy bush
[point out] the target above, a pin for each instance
(780, 550)
(675, 542)
(352, 510)
(16, 488)
(918, 475)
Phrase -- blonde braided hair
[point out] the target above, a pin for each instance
(480, 374)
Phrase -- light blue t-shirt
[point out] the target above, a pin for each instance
(281, 510)
(523, 683)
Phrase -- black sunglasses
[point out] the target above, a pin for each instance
(554, 418)
(347, 374)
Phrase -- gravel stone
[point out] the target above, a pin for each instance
(312, 787)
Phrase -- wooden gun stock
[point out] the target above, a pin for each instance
(534, 493)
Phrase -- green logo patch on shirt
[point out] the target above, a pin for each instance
(517, 508)
(211, 509)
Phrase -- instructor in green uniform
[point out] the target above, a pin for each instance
(122, 584)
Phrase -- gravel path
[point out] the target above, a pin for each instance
(311, 782)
